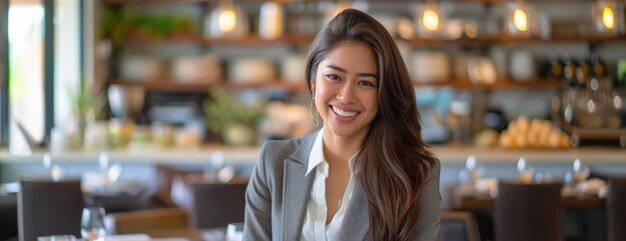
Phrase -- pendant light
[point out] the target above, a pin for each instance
(608, 17)
(521, 19)
(430, 19)
(227, 21)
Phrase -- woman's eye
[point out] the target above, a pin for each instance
(332, 77)
(367, 83)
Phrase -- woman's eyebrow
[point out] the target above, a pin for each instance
(337, 68)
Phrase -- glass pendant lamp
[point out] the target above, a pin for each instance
(521, 19)
(227, 21)
(608, 17)
(430, 19)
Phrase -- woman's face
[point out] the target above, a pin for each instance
(346, 87)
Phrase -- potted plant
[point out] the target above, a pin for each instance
(234, 120)
(87, 103)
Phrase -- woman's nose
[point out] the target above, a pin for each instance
(346, 93)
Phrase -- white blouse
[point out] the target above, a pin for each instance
(315, 227)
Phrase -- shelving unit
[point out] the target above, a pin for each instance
(300, 41)
(496, 45)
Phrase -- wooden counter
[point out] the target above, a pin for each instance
(248, 155)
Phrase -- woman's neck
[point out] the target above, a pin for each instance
(337, 148)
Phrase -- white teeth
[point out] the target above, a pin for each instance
(344, 113)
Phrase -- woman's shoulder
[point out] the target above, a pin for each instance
(274, 152)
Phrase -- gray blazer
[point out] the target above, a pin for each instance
(278, 194)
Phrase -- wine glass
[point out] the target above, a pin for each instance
(92, 224)
(475, 170)
(234, 232)
(54, 171)
(525, 171)
(103, 161)
(581, 171)
(114, 172)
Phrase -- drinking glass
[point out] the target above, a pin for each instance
(57, 238)
(581, 171)
(525, 171)
(234, 232)
(472, 172)
(92, 224)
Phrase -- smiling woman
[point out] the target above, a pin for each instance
(367, 174)
(345, 91)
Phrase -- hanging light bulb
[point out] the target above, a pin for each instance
(521, 19)
(608, 17)
(227, 21)
(430, 19)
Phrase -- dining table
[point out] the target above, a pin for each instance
(461, 199)
(584, 212)
(174, 234)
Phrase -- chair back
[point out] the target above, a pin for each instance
(616, 209)
(217, 204)
(528, 212)
(146, 221)
(49, 208)
(458, 226)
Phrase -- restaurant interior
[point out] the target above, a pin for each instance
(143, 119)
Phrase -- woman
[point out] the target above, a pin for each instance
(366, 175)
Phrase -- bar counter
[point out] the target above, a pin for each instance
(248, 155)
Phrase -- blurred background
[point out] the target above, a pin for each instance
(142, 99)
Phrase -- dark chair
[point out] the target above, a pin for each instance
(458, 226)
(48, 208)
(616, 209)
(217, 205)
(147, 221)
(528, 212)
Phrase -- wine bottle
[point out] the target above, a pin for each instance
(582, 71)
(554, 68)
(569, 70)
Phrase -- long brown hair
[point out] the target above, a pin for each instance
(394, 162)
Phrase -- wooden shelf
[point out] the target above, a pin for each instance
(128, 2)
(486, 42)
(123, 2)
(279, 84)
(256, 40)
(506, 84)
(177, 86)
(252, 40)
(296, 40)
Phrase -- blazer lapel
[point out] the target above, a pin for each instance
(355, 224)
(296, 190)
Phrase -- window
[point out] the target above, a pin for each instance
(44, 49)
(26, 74)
